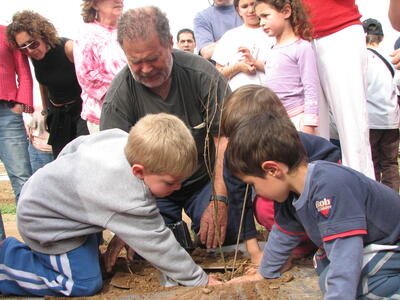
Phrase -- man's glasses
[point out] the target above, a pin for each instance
(32, 44)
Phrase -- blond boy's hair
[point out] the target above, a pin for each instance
(163, 145)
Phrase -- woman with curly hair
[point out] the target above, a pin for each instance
(291, 68)
(52, 59)
(98, 56)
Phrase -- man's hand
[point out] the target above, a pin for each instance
(208, 233)
(113, 249)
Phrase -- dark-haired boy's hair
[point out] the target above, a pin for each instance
(249, 100)
(260, 138)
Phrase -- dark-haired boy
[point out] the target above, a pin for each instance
(354, 218)
(250, 100)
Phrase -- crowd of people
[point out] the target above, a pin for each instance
(285, 108)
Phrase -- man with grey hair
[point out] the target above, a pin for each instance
(161, 79)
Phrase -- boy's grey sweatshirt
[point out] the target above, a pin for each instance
(90, 187)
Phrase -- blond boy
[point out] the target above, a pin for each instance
(102, 181)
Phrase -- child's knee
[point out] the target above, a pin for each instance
(87, 287)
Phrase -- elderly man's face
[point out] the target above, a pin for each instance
(149, 61)
(222, 2)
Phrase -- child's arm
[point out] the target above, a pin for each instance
(345, 256)
(144, 230)
(231, 71)
(254, 250)
(311, 85)
(277, 251)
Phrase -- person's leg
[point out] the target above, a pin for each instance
(195, 205)
(375, 136)
(93, 127)
(342, 63)
(380, 277)
(200, 200)
(170, 210)
(236, 196)
(28, 273)
(321, 266)
(38, 158)
(2, 231)
(389, 152)
(14, 148)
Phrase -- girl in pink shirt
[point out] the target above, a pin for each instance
(291, 69)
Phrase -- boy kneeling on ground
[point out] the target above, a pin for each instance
(352, 218)
(102, 181)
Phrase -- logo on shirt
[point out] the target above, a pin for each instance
(324, 206)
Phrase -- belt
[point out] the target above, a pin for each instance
(62, 104)
(10, 103)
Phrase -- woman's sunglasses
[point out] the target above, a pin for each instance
(32, 44)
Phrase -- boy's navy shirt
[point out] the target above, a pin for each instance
(316, 148)
(338, 202)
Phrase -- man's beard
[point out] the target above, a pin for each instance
(138, 78)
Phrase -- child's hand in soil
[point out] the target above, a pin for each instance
(254, 250)
(213, 280)
(250, 277)
(114, 248)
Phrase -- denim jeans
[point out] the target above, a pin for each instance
(38, 158)
(13, 151)
(14, 148)
(195, 204)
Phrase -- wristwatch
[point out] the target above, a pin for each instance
(220, 198)
(43, 112)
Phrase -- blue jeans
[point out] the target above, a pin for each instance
(14, 148)
(38, 158)
(13, 151)
(196, 202)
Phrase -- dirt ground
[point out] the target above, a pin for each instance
(7, 197)
(140, 280)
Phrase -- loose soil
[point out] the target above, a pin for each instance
(141, 281)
